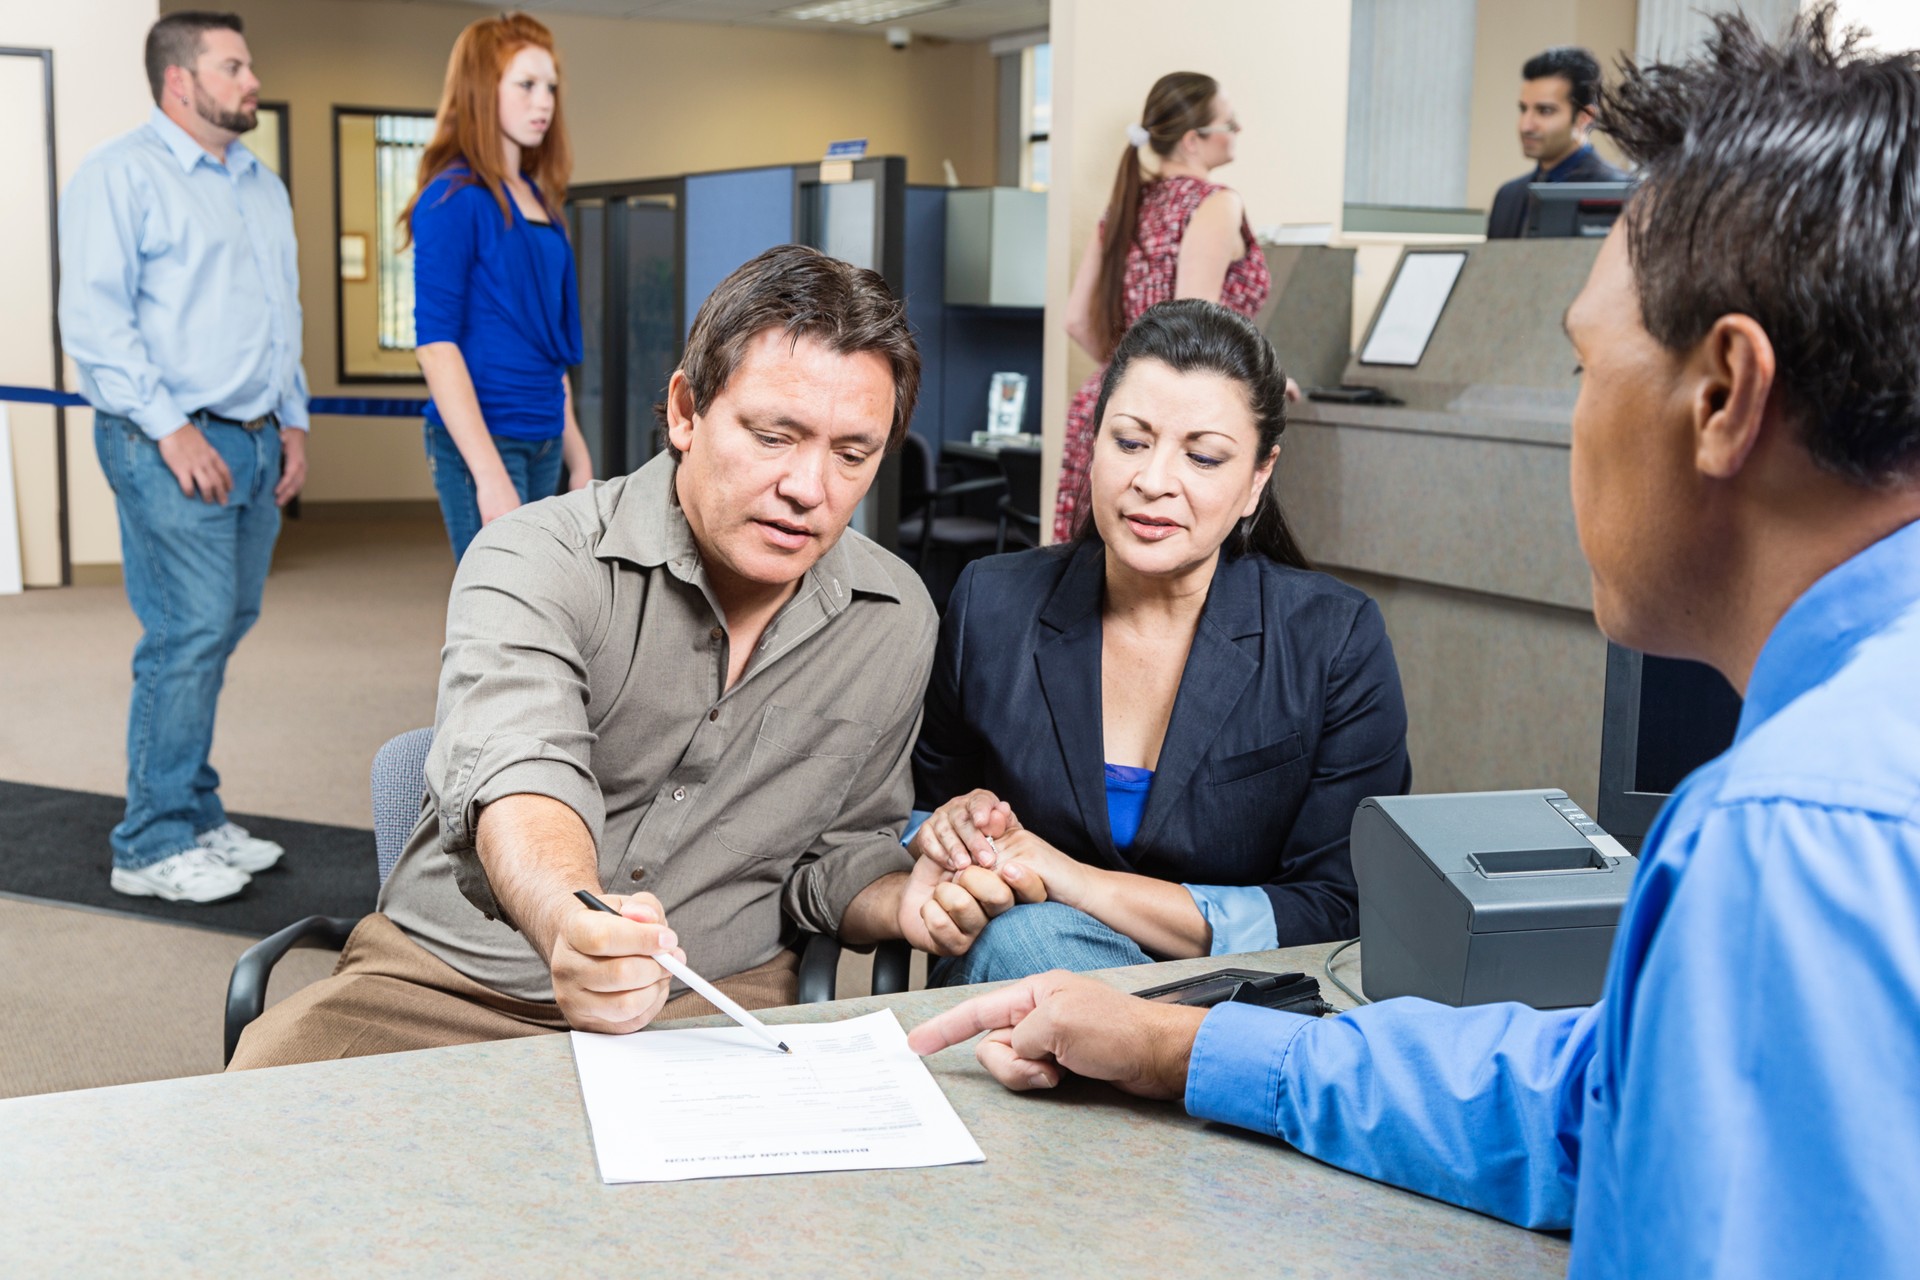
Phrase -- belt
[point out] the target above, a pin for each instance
(268, 419)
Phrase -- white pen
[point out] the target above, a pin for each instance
(714, 995)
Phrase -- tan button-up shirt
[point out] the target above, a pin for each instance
(586, 660)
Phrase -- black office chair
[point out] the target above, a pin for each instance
(921, 493)
(1020, 505)
(399, 784)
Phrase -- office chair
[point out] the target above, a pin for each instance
(1020, 505)
(399, 785)
(921, 494)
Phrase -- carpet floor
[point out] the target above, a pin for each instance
(55, 850)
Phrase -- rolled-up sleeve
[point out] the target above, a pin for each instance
(863, 844)
(512, 717)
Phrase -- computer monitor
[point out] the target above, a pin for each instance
(1664, 718)
(1573, 208)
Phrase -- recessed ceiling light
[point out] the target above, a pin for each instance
(861, 12)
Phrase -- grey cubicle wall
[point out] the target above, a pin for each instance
(732, 216)
(1309, 315)
(1453, 512)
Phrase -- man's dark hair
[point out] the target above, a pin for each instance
(805, 294)
(1782, 182)
(1192, 335)
(1578, 67)
(175, 40)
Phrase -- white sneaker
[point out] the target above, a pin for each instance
(198, 875)
(230, 843)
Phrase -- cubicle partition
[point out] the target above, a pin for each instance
(629, 242)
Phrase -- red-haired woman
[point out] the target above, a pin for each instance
(496, 308)
(1168, 234)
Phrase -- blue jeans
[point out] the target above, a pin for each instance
(533, 466)
(194, 572)
(1033, 938)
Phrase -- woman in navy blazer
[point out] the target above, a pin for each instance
(1150, 742)
(496, 305)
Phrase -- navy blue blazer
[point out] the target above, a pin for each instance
(1289, 713)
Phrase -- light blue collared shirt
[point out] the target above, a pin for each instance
(179, 289)
(1743, 1101)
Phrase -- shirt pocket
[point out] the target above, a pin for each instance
(1261, 763)
(796, 783)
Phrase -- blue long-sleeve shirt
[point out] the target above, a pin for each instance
(503, 290)
(179, 288)
(1745, 1099)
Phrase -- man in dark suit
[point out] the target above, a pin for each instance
(1556, 114)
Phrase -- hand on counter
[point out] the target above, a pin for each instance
(1054, 1022)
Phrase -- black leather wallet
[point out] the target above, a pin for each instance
(1293, 992)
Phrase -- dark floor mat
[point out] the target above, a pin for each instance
(53, 846)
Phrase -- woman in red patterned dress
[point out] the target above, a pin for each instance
(1168, 234)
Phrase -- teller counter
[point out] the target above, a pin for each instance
(1452, 510)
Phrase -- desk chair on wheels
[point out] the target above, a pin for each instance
(399, 784)
(922, 523)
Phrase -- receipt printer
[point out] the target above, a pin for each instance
(1485, 896)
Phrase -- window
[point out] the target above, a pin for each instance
(1036, 95)
(376, 169)
(398, 143)
(1409, 117)
(268, 141)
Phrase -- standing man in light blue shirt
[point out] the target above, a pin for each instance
(179, 302)
(1745, 1099)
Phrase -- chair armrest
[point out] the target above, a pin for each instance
(247, 989)
(819, 967)
(890, 967)
(1024, 517)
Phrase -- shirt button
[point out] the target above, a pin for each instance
(637, 874)
(715, 634)
(679, 793)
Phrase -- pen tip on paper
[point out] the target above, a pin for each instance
(783, 1047)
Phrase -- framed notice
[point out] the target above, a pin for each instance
(1412, 310)
(1007, 404)
(353, 256)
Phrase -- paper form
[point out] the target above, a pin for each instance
(1412, 309)
(717, 1103)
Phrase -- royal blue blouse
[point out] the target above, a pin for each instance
(505, 293)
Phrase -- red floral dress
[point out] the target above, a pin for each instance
(1165, 208)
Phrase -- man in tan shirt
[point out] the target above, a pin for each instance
(690, 690)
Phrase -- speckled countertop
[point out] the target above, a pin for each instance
(477, 1161)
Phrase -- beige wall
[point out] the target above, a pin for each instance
(642, 98)
(89, 108)
(1284, 62)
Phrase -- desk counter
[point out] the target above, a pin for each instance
(476, 1160)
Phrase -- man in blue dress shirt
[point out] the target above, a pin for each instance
(1557, 92)
(179, 302)
(1744, 1099)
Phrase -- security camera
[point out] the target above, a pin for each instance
(898, 38)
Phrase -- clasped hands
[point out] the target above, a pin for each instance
(976, 861)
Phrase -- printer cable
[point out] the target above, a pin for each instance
(1334, 978)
